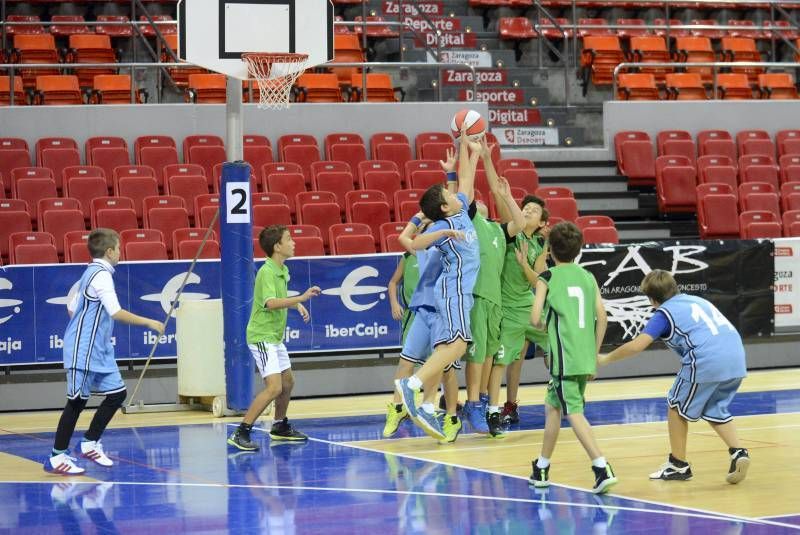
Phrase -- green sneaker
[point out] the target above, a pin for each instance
(451, 429)
(395, 414)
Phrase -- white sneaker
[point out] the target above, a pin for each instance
(94, 452)
(63, 464)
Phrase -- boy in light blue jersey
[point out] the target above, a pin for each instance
(712, 368)
(89, 355)
(453, 235)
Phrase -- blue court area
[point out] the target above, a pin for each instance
(175, 479)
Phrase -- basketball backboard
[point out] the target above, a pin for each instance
(214, 33)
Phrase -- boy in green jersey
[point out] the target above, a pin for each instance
(525, 258)
(265, 332)
(486, 314)
(576, 324)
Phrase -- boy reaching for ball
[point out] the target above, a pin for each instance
(265, 332)
(712, 368)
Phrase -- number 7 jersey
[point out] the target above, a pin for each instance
(571, 295)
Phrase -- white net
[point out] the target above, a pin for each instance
(275, 74)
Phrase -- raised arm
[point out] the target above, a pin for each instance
(449, 166)
(423, 241)
(468, 156)
(502, 195)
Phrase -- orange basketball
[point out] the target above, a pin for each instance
(476, 126)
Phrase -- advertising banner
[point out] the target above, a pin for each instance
(787, 285)
(353, 312)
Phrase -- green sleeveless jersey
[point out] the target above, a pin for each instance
(492, 243)
(571, 294)
(410, 277)
(516, 290)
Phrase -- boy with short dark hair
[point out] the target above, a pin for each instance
(453, 234)
(576, 325)
(89, 355)
(265, 332)
(712, 368)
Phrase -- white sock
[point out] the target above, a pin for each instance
(414, 383)
(494, 408)
(600, 462)
(542, 462)
(427, 407)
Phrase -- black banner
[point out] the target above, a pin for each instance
(735, 275)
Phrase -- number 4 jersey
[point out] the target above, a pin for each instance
(710, 348)
(571, 295)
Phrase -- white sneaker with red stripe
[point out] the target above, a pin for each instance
(63, 464)
(94, 452)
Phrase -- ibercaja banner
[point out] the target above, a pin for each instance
(353, 312)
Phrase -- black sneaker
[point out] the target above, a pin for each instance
(283, 430)
(496, 429)
(740, 462)
(604, 479)
(669, 471)
(540, 477)
(241, 439)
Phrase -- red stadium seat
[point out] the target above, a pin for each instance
(354, 244)
(36, 253)
(10, 223)
(187, 187)
(338, 183)
(600, 55)
(755, 142)
(758, 196)
(676, 181)
(208, 157)
(374, 214)
(333, 166)
(323, 215)
(146, 250)
(290, 184)
(393, 245)
(791, 223)
(188, 249)
(10, 159)
(388, 230)
(259, 199)
(76, 250)
(136, 189)
(717, 214)
(716, 143)
(59, 222)
(526, 179)
(685, 86)
(790, 196)
(309, 246)
(84, 190)
(108, 203)
(676, 143)
(637, 86)
(118, 219)
(141, 235)
(190, 234)
(304, 231)
(788, 142)
(759, 168)
(408, 198)
(353, 197)
(27, 237)
(388, 182)
(435, 138)
(265, 215)
(600, 235)
(257, 151)
(565, 208)
(160, 201)
(57, 160)
(717, 169)
(634, 152)
(586, 221)
(759, 224)
(555, 192)
(32, 190)
(342, 229)
(167, 220)
(516, 29)
(375, 165)
(790, 168)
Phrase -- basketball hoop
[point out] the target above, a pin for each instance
(275, 74)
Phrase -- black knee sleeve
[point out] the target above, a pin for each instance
(115, 400)
(77, 404)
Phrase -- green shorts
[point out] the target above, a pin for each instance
(408, 319)
(485, 325)
(567, 393)
(538, 337)
(513, 332)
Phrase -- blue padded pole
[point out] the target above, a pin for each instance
(237, 279)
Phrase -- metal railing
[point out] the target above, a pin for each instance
(13, 67)
(714, 65)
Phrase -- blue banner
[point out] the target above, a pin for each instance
(353, 312)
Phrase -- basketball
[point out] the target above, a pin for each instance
(476, 126)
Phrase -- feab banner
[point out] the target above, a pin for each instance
(353, 312)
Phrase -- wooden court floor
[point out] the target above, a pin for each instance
(634, 449)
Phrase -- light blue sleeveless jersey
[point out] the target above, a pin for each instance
(430, 268)
(87, 340)
(710, 348)
(461, 259)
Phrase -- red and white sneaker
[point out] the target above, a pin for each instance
(63, 464)
(94, 452)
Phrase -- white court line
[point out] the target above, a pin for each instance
(779, 516)
(389, 491)
(495, 444)
(661, 504)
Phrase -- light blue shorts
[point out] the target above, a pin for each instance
(83, 384)
(453, 321)
(708, 401)
(417, 346)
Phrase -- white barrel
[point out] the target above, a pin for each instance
(201, 358)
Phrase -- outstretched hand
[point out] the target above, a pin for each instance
(449, 165)
(522, 254)
(314, 291)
